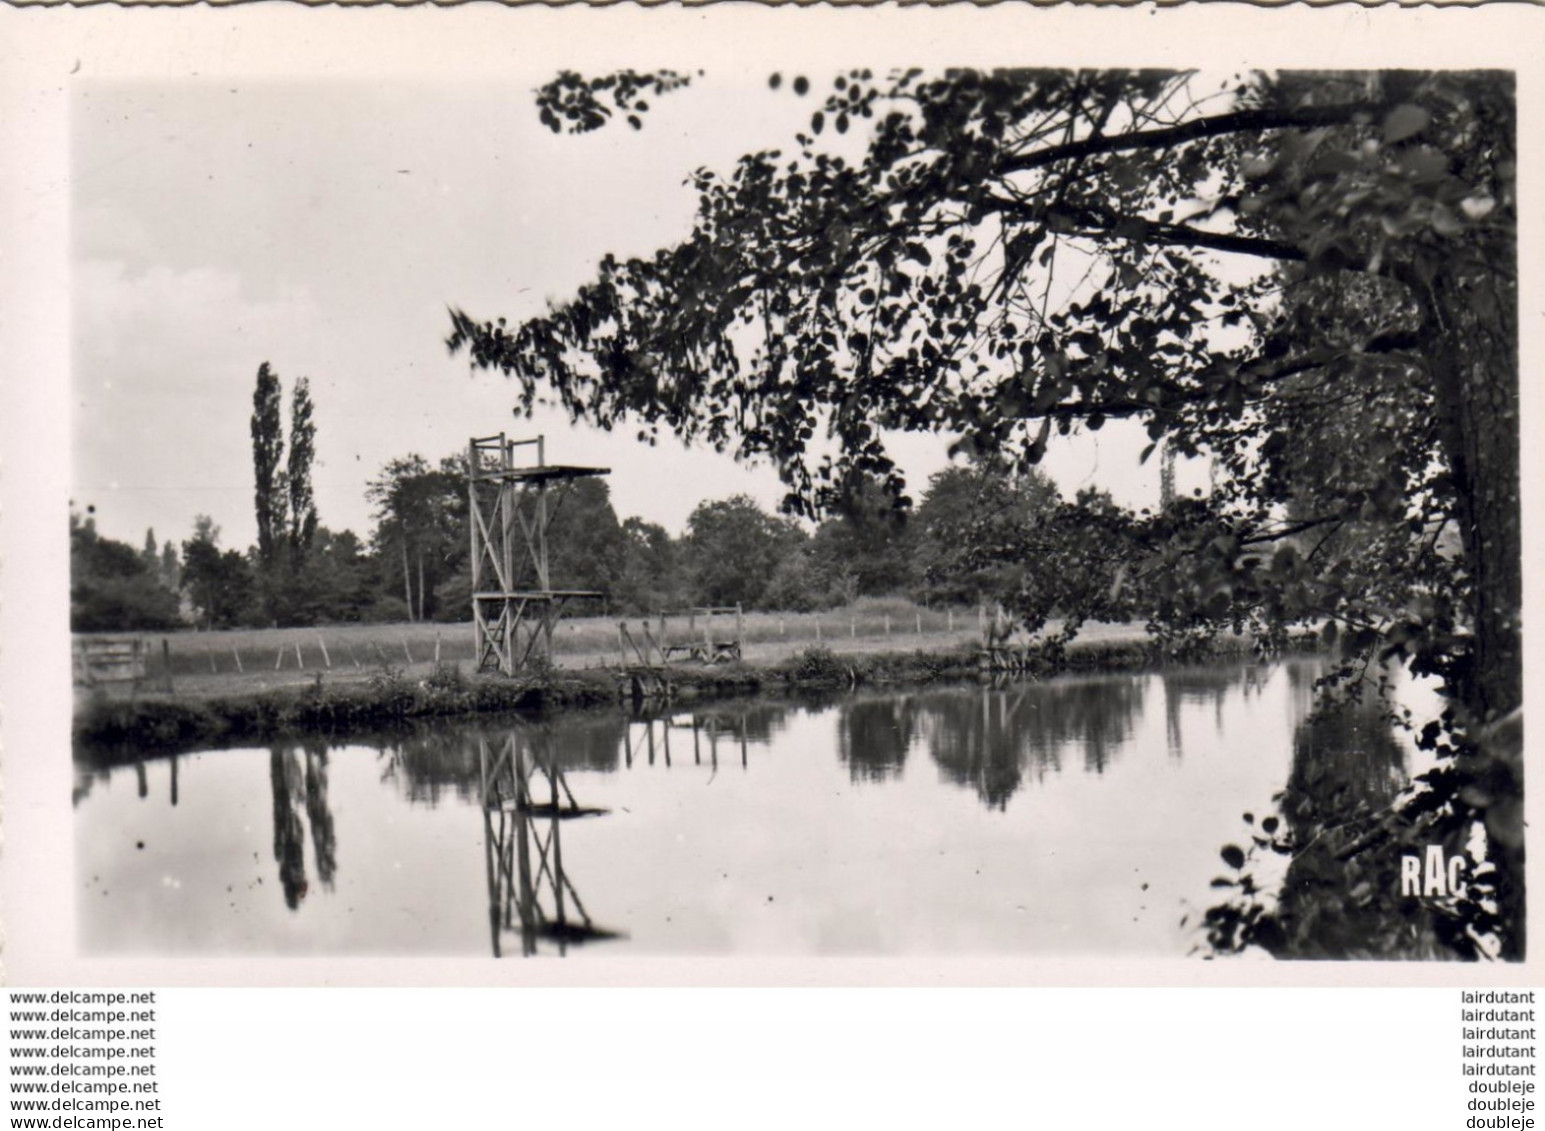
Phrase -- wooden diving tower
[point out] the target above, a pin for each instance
(511, 508)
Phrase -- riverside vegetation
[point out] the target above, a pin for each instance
(234, 709)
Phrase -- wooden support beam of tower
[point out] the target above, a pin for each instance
(515, 605)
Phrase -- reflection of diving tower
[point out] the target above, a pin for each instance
(528, 889)
(510, 511)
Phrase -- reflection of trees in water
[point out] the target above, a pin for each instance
(1340, 896)
(435, 759)
(873, 736)
(580, 742)
(1345, 761)
(299, 785)
(86, 778)
(1302, 676)
(1347, 768)
(289, 791)
(973, 748)
(989, 738)
(90, 771)
(427, 763)
(324, 839)
(1208, 686)
(431, 761)
(756, 722)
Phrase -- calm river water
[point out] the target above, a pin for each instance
(1077, 816)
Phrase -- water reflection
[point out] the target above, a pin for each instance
(881, 822)
(874, 734)
(430, 763)
(1338, 899)
(1208, 687)
(647, 733)
(990, 742)
(324, 838)
(529, 891)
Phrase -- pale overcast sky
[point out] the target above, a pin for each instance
(324, 227)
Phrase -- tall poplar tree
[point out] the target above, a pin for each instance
(269, 498)
(303, 511)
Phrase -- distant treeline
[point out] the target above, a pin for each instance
(964, 542)
(413, 565)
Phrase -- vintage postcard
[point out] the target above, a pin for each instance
(779, 496)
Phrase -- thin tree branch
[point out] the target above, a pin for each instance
(1240, 121)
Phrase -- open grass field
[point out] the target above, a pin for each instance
(198, 664)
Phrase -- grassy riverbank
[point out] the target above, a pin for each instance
(390, 694)
(200, 665)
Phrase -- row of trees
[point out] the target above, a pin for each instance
(414, 564)
(732, 551)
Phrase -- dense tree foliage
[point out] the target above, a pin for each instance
(652, 578)
(1309, 278)
(112, 589)
(421, 527)
(587, 548)
(967, 516)
(862, 549)
(731, 546)
(220, 584)
(415, 563)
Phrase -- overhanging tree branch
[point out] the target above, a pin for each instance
(1240, 121)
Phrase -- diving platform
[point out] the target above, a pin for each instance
(515, 606)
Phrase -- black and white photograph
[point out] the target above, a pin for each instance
(747, 501)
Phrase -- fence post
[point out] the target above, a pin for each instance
(166, 662)
(235, 651)
(300, 662)
(326, 659)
